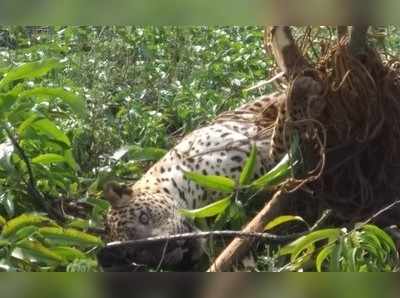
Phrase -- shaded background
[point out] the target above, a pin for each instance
(179, 285)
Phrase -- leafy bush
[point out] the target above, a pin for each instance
(79, 105)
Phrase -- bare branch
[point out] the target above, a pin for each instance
(39, 198)
(342, 31)
(239, 247)
(358, 40)
(31, 184)
(287, 54)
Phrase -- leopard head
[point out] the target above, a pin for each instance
(139, 214)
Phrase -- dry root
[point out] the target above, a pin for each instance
(357, 136)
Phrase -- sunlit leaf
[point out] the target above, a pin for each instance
(278, 174)
(296, 247)
(99, 203)
(283, 219)
(248, 169)
(68, 253)
(381, 234)
(48, 158)
(23, 233)
(7, 201)
(79, 223)
(70, 160)
(218, 183)
(75, 102)
(30, 70)
(210, 210)
(2, 221)
(13, 225)
(6, 101)
(40, 253)
(139, 153)
(48, 128)
(27, 123)
(62, 237)
(323, 256)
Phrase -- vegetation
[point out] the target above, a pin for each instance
(82, 105)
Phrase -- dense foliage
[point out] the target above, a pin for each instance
(79, 105)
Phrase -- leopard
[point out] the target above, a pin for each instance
(151, 206)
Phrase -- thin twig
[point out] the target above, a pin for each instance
(265, 82)
(378, 213)
(41, 200)
(224, 233)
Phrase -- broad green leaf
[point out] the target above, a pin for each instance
(68, 253)
(2, 221)
(99, 203)
(79, 223)
(62, 237)
(275, 176)
(248, 169)
(349, 254)
(48, 128)
(13, 225)
(23, 233)
(26, 123)
(6, 101)
(381, 234)
(323, 255)
(37, 251)
(70, 160)
(218, 183)
(300, 244)
(4, 242)
(75, 102)
(210, 210)
(139, 153)
(283, 219)
(30, 70)
(48, 158)
(7, 201)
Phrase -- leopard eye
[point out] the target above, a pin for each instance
(144, 218)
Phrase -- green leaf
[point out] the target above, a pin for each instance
(4, 242)
(283, 219)
(79, 223)
(13, 225)
(296, 247)
(218, 183)
(68, 253)
(210, 210)
(24, 232)
(7, 201)
(36, 250)
(59, 236)
(248, 169)
(381, 234)
(323, 255)
(6, 101)
(48, 128)
(26, 123)
(275, 176)
(29, 71)
(75, 102)
(70, 160)
(2, 221)
(139, 153)
(98, 203)
(48, 158)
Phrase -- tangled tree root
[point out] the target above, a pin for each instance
(361, 126)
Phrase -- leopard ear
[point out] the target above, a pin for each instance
(114, 193)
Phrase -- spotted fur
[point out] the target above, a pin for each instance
(150, 206)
